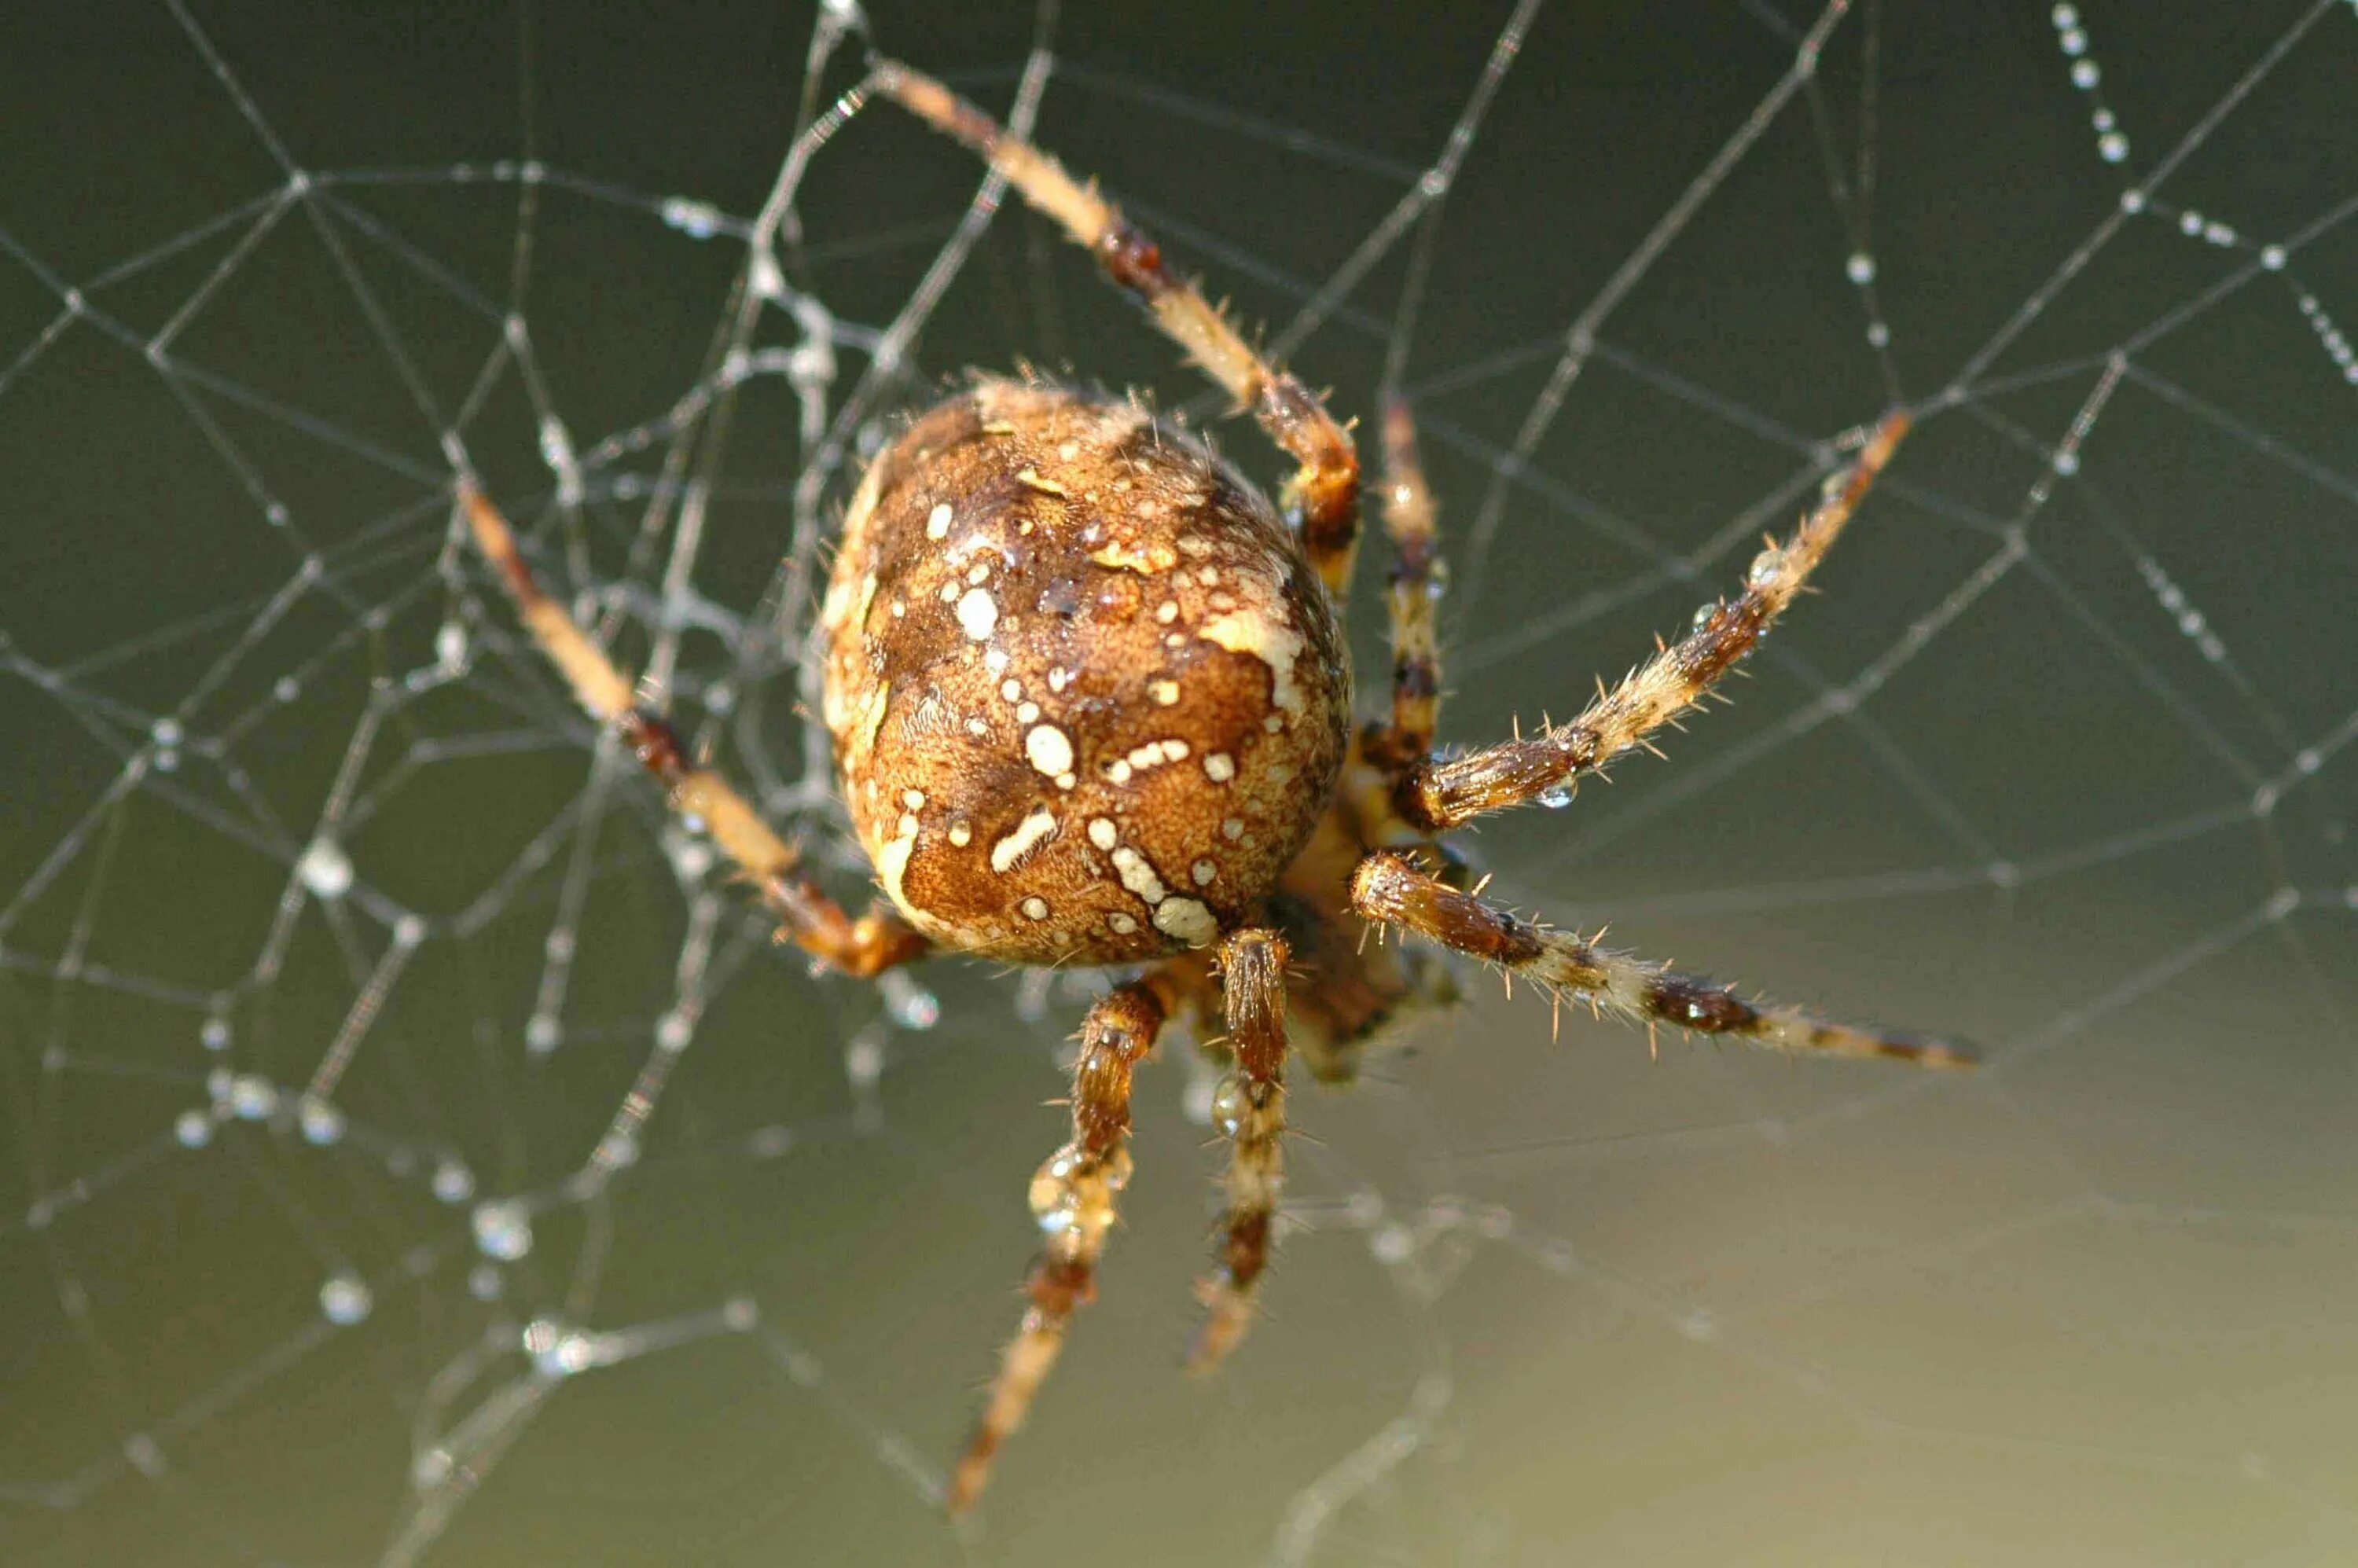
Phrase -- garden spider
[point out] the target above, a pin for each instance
(1091, 705)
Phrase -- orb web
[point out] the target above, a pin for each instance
(417, 1152)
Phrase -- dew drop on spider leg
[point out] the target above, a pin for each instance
(1555, 797)
(1230, 1104)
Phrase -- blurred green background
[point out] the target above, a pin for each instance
(2058, 763)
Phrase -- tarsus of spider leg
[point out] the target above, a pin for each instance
(1072, 1198)
(863, 946)
(1388, 889)
(1248, 1108)
(1324, 493)
(1439, 795)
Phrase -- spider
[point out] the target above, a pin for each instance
(1091, 705)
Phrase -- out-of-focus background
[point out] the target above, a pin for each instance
(413, 1150)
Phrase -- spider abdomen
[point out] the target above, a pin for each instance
(1088, 698)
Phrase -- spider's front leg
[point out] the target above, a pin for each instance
(1388, 890)
(1248, 1108)
(864, 946)
(1324, 494)
(1436, 794)
(1073, 1196)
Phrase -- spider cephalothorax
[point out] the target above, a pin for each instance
(1090, 705)
(1088, 698)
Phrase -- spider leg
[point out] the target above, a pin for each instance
(1388, 890)
(1436, 794)
(815, 923)
(1073, 1195)
(1250, 1107)
(1417, 573)
(1324, 494)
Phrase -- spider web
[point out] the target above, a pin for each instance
(416, 1152)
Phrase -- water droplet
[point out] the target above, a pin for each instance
(322, 1122)
(697, 220)
(215, 1034)
(324, 869)
(1555, 797)
(453, 1183)
(502, 1230)
(1860, 268)
(1230, 1106)
(345, 1299)
(2112, 147)
(194, 1130)
(864, 1059)
(541, 1033)
(252, 1098)
(911, 1005)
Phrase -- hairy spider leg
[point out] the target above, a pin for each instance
(868, 945)
(1248, 1108)
(1390, 890)
(1324, 495)
(1436, 794)
(1072, 1198)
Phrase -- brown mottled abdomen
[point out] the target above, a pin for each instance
(1087, 697)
